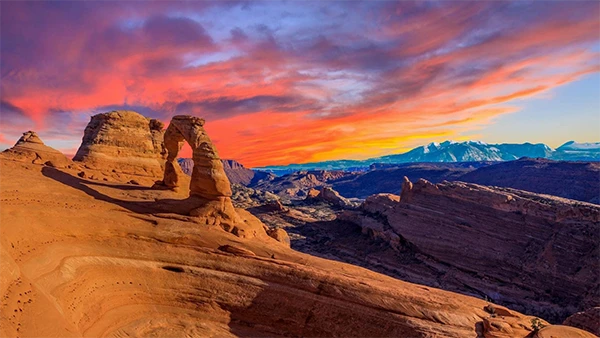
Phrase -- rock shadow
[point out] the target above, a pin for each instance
(176, 206)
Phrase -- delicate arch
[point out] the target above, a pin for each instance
(208, 176)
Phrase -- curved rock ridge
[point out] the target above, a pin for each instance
(123, 141)
(504, 244)
(30, 148)
(105, 263)
(588, 320)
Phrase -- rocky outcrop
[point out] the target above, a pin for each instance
(123, 142)
(504, 244)
(559, 331)
(383, 178)
(30, 148)
(292, 186)
(588, 320)
(328, 195)
(280, 235)
(244, 197)
(208, 176)
(209, 189)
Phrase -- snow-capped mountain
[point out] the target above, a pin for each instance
(468, 151)
(573, 151)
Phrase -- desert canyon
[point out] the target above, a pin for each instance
(120, 242)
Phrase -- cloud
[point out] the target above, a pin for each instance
(284, 82)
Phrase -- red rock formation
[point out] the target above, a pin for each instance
(588, 320)
(210, 190)
(503, 243)
(30, 148)
(123, 142)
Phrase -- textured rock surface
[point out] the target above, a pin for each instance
(208, 176)
(123, 142)
(503, 244)
(588, 320)
(328, 195)
(296, 185)
(30, 148)
(384, 178)
(560, 331)
(115, 260)
(209, 189)
(574, 180)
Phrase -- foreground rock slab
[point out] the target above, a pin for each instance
(107, 261)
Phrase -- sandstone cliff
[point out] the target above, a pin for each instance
(503, 244)
(123, 142)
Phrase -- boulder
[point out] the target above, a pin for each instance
(280, 235)
(123, 142)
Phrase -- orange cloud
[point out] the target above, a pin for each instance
(332, 86)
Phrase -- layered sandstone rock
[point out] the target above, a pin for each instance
(504, 244)
(103, 263)
(124, 142)
(588, 320)
(208, 176)
(209, 187)
(30, 148)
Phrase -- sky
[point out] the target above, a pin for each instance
(282, 82)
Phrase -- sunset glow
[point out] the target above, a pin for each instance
(294, 82)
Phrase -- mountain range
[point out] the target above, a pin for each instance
(452, 151)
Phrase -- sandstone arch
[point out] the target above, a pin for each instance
(208, 176)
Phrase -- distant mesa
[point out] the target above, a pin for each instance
(125, 142)
(236, 172)
(30, 148)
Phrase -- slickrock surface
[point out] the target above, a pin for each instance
(588, 320)
(30, 148)
(110, 259)
(534, 253)
(123, 142)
